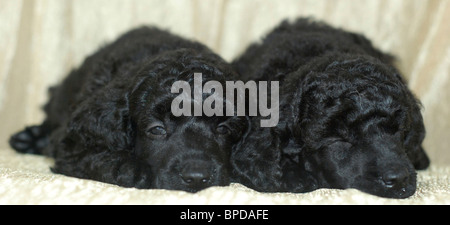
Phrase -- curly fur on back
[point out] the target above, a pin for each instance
(347, 118)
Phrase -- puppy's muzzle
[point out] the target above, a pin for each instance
(198, 174)
(397, 182)
(395, 177)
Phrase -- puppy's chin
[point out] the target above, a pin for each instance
(161, 184)
(173, 181)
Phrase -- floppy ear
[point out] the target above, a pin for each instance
(419, 158)
(414, 138)
(98, 140)
(102, 121)
(256, 160)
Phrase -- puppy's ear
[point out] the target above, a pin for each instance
(419, 159)
(414, 150)
(414, 138)
(246, 132)
(102, 121)
(256, 161)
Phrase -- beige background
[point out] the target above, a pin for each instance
(41, 40)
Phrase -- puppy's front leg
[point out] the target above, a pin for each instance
(118, 168)
(297, 179)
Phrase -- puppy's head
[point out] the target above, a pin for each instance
(360, 127)
(185, 152)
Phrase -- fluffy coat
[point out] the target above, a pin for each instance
(347, 117)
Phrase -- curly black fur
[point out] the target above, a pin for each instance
(347, 118)
(110, 120)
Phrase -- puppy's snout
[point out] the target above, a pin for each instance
(395, 177)
(197, 174)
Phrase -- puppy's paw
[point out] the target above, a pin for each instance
(31, 140)
(134, 174)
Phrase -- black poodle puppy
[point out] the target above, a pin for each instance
(110, 120)
(347, 118)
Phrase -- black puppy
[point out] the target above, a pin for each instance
(347, 118)
(111, 120)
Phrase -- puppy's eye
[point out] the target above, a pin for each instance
(156, 131)
(222, 129)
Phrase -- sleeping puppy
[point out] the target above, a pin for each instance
(347, 118)
(110, 120)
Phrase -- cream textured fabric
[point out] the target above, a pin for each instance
(26, 179)
(41, 40)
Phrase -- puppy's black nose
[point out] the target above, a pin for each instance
(196, 175)
(396, 177)
(195, 178)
